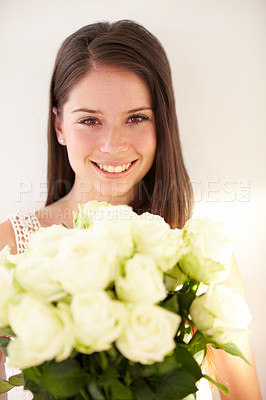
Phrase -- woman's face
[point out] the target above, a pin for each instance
(108, 127)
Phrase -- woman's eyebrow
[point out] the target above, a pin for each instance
(139, 109)
(87, 110)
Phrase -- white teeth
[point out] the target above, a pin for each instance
(114, 169)
(118, 168)
(111, 168)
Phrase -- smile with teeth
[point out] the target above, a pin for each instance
(114, 169)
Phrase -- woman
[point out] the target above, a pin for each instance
(113, 136)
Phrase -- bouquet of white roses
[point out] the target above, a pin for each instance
(106, 310)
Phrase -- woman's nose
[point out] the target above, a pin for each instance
(114, 141)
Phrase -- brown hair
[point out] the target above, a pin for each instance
(166, 189)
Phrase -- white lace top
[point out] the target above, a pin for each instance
(24, 224)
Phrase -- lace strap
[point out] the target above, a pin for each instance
(24, 224)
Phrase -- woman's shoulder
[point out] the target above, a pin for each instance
(7, 236)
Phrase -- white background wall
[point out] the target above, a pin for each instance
(217, 52)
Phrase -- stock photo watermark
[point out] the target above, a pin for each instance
(207, 191)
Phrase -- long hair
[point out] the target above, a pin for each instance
(166, 189)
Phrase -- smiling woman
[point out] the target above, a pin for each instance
(113, 136)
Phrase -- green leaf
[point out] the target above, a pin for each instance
(231, 348)
(171, 303)
(142, 390)
(169, 364)
(120, 391)
(64, 379)
(4, 343)
(223, 388)
(16, 380)
(188, 362)
(33, 374)
(197, 347)
(5, 386)
(109, 375)
(197, 341)
(7, 331)
(173, 386)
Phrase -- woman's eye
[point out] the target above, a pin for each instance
(137, 119)
(88, 121)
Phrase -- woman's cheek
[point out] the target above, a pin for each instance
(146, 140)
(80, 142)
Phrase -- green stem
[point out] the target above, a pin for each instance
(181, 333)
(190, 287)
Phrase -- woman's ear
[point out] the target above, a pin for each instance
(58, 127)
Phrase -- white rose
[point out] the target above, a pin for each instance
(83, 218)
(207, 251)
(7, 291)
(115, 224)
(84, 261)
(149, 333)
(97, 320)
(143, 282)
(154, 237)
(34, 274)
(45, 241)
(40, 333)
(220, 314)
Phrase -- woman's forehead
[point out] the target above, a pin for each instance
(111, 87)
